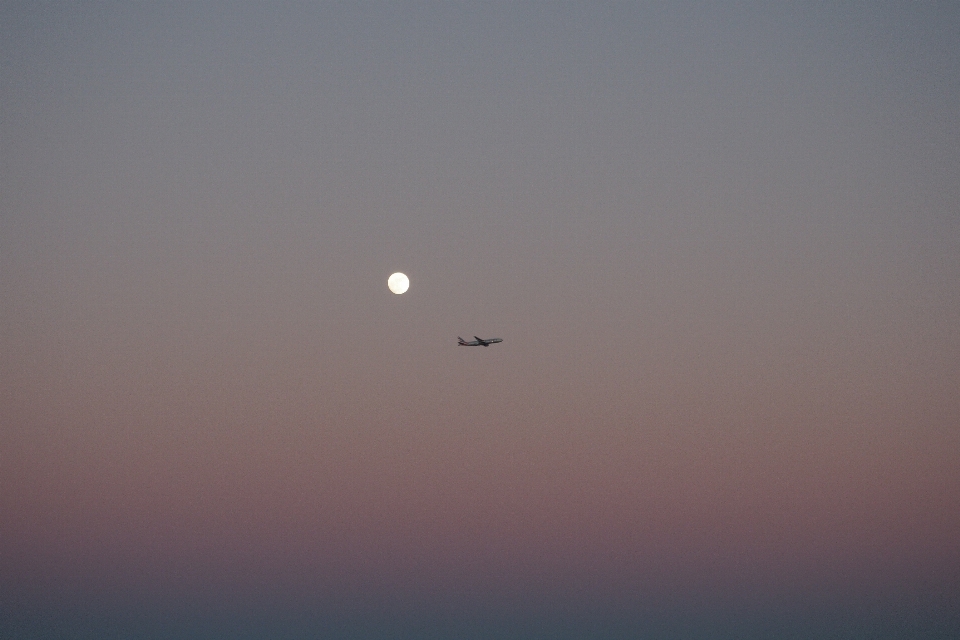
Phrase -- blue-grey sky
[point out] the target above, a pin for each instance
(721, 242)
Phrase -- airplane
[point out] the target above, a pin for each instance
(479, 342)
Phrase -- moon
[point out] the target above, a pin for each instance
(398, 283)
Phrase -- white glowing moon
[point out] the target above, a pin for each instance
(398, 283)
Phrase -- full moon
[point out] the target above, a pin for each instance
(398, 283)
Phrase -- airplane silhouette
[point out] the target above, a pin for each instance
(479, 342)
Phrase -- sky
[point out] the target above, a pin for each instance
(720, 241)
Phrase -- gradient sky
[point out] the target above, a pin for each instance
(720, 241)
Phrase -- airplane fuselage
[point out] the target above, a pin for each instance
(479, 342)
